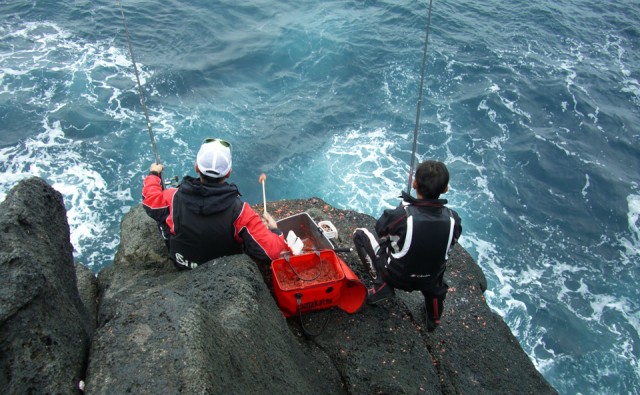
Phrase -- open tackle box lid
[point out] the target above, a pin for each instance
(307, 230)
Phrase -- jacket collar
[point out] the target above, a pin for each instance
(422, 202)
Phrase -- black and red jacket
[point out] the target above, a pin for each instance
(206, 221)
(420, 233)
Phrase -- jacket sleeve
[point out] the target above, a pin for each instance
(260, 243)
(391, 222)
(393, 225)
(457, 229)
(156, 201)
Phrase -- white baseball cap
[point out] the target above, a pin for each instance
(214, 158)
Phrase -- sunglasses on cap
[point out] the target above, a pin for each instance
(224, 143)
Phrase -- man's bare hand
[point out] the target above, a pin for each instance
(157, 167)
(269, 221)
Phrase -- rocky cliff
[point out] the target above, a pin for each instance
(140, 326)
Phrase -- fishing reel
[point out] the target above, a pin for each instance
(172, 182)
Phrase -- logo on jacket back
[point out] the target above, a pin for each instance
(420, 275)
(180, 260)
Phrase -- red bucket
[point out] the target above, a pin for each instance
(316, 281)
(299, 279)
(311, 281)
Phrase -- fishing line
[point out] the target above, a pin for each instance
(415, 133)
(140, 91)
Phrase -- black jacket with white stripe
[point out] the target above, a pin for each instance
(420, 233)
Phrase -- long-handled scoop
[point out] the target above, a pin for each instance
(262, 180)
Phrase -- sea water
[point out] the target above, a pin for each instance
(533, 106)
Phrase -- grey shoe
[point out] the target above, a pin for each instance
(367, 262)
(379, 293)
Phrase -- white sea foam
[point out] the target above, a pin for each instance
(631, 242)
(447, 125)
(499, 278)
(630, 84)
(73, 167)
(57, 159)
(567, 66)
(368, 168)
(586, 186)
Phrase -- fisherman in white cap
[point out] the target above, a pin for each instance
(204, 218)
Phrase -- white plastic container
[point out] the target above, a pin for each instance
(295, 243)
(327, 228)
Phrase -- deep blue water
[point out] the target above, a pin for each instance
(534, 106)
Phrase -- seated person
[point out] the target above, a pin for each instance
(204, 218)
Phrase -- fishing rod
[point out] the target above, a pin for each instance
(140, 90)
(415, 132)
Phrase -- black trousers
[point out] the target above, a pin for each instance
(368, 243)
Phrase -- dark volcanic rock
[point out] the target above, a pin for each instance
(217, 329)
(88, 291)
(473, 351)
(45, 329)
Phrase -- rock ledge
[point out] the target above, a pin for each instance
(140, 326)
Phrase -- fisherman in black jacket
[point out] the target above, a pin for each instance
(204, 218)
(412, 243)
